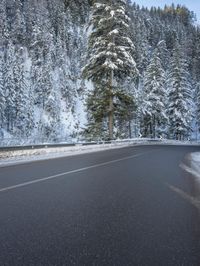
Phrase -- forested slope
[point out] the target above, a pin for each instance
(43, 48)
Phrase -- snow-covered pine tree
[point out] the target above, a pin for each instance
(18, 25)
(180, 96)
(9, 87)
(153, 108)
(3, 24)
(164, 54)
(2, 63)
(196, 56)
(198, 105)
(23, 102)
(2, 94)
(110, 48)
(52, 110)
(37, 72)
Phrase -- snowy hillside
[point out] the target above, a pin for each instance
(44, 98)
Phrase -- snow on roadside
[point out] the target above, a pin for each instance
(194, 170)
(195, 163)
(23, 156)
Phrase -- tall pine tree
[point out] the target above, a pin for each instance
(2, 94)
(198, 105)
(180, 96)
(111, 50)
(153, 109)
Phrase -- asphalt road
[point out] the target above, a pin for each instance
(113, 207)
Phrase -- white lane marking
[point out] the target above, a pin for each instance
(70, 172)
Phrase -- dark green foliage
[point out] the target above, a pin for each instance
(125, 108)
(180, 96)
(198, 105)
(97, 105)
(110, 59)
(153, 107)
(98, 110)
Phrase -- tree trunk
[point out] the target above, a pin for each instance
(154, 127)
(151, 130)
(129, 129)
(111, 106)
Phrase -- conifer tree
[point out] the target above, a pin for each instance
(180, 96)
(3, 24)
(9, 87)
(196, 56)
(111, 49)
(198, 105)
(22, 96)
(19, 27)
(124, 108)
(97, 114)
(153, 108)
(2, 94)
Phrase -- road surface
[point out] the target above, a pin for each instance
(113, 207)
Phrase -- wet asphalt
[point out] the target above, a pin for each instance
(118, 210)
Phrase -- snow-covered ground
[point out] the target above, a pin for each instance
(195, 164)
(23, 156)
(194, 169)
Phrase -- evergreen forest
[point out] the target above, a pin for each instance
(97, 70)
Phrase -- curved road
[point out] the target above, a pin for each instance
(116, 207)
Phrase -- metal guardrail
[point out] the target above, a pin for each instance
(30, 147)
(46, 146)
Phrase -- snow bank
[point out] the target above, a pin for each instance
(195, 164)
(23, 156)
(194, 169)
